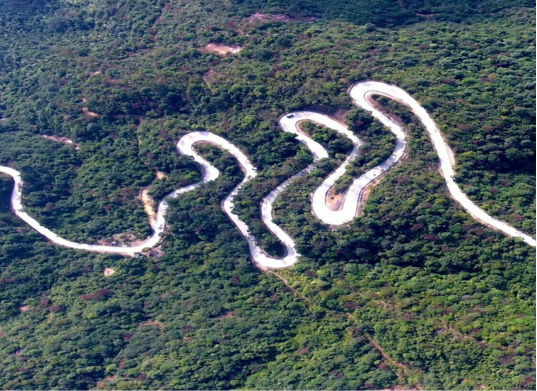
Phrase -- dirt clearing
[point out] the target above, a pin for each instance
(108, 272)
(260, 18)
(221, 49)
(63, 140)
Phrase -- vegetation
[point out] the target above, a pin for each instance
(412, 293)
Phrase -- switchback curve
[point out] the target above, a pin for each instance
(361, 94)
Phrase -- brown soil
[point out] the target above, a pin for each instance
(386, 111)
(153, 322)
(450, 152)
(149, 205)
(161, 175)
(108, 272)
(63, 140)
(149, 202)
(403, 369)
(399, 121)
(365, 194)
(340, 115)
(289, 286)
(269, 18)
(446, 328)
(213, 78)
(127, 237)
(375, 344)
(206, 79)
(221, 49)
(257, 18)
(227, 315)
(370, 186)
(334, 201)
(155, 252)
(101, 384)
(427, 17)
(88, 113)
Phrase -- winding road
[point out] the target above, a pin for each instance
(346, 212)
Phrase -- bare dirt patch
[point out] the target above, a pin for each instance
(89, 113)
(108, 272)
(375, 344)
(221, 49)
(213, 78)
(149, 205)
(63, 140)
(259, 18)
(149, 202)
(340, 115)
(365, 194)
(427, 17)
(155, 252)
(207, 79)
(227, 315)
(153, 322)
(269, 18)
(402, 371)
(334, 201)
(128, 239)
(286, 282)
(101, 384)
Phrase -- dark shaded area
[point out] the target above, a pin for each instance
(383, 13)
(26, 6)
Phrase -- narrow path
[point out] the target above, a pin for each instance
(361, 94)
(63, 140)
(376, 345)
(286, 283)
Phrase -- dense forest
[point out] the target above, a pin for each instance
(413, 294)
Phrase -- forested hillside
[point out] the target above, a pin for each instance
(384, 13)
(413, 293)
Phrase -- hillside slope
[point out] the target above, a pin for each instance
(414, 293)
